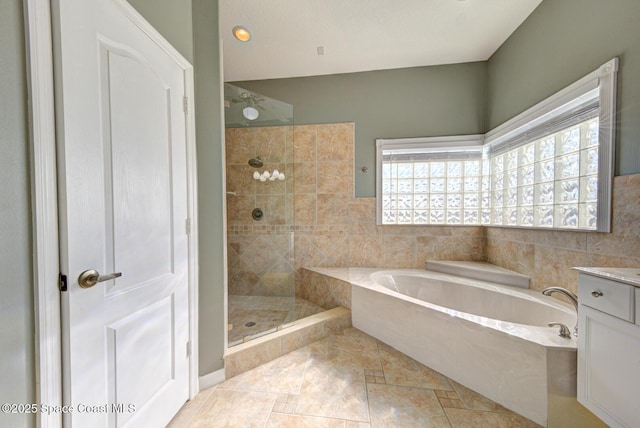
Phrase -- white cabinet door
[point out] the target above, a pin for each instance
(123, 206)
(609, 367)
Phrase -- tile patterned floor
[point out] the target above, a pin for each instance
(349, 380)
(264, 313)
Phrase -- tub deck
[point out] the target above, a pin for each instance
(524, 368)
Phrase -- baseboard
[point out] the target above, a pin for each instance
(211, 379)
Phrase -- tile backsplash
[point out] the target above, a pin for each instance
(329, 227)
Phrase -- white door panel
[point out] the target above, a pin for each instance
(123, 199)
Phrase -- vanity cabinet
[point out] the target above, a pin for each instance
(609, 348)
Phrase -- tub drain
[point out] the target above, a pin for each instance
(250, 324)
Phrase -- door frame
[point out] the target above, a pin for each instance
(44, 201)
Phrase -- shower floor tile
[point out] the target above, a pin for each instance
(325, 385)
(252, 315)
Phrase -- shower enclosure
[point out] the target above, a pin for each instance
(260, 216)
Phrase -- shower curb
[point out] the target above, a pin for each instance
(296, 335)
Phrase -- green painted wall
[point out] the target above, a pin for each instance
(173, 19)
(561, 41)
(17, 383)
(211, 212)
(408, 102)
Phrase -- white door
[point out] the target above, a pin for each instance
(122, 142)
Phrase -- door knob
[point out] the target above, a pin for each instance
(91, 277)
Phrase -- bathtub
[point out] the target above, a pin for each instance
(489, 337)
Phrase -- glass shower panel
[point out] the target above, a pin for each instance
(259, 181)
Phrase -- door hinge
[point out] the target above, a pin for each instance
(62, 282)
(188, 348)
(187, 226)
(185, 105)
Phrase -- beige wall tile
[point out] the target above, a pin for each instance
(325, 291)
(240, 180)
(365, 251)
(624, 181)
(333, 209)
(305, 208)
(304, 140)
(553, 267)
(239, 209)
(335, 142)
(333, 246)
(476, 231)
(274, 208)
(432, 248)
(398, 252)
(238, 146)
(270, 144)
(304, 177)
(335, 177)
(468, 248)
(307, 254)
(289, 145)
(562, 239)
(605, 260)
(363, 210)
(521, 257)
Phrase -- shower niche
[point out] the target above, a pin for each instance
(260, 216)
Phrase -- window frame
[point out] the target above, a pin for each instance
(600, 84)
(424, 145)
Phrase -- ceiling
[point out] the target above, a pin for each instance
(362, 35)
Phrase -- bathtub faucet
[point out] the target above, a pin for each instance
(574, 299)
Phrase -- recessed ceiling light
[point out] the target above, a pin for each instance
(241, 33)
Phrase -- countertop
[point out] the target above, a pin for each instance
(629, 276)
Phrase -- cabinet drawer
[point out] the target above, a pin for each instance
(617, 299)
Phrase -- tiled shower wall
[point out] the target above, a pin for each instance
(260, 253)
(335, 229)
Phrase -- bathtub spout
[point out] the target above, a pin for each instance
(574, 299)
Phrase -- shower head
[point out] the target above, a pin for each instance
(256, 162)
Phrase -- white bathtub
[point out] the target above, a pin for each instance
(491, 338)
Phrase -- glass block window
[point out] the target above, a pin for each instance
(551, 182)
(428, 183)
(549, 167)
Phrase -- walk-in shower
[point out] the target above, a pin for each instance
(260, 216)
